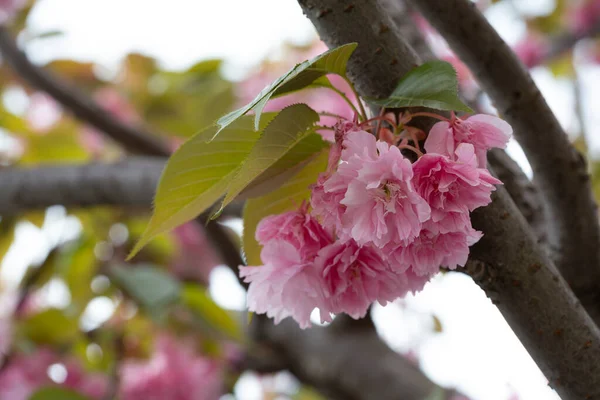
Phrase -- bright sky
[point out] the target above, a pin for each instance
(476, 351)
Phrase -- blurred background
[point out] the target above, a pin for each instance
(70, 313)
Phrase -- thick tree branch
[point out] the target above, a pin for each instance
(127, 183)
(523, 191)
(559, 170)
(347, 364)
(538, 301)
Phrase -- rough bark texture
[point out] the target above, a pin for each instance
(559, 170)
(127, 183)
(347, 364)
(532, 302)
(523, 192)
(535, 300)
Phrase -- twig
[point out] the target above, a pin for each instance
(559, 170)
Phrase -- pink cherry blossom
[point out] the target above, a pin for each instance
(24, 374)
(173, 372)
(381, 203)
(298, 228)
(482, 131)
(452, 188)
(582, 15)
(8, 8)
(93, 385)
(327, 203)
(285, 286)
(432, 249)
(356, 276)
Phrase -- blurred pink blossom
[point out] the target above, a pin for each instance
(173, 372)
(582, 15)
(117, 106)
(8, 8)
(531, 50)
(43, 112)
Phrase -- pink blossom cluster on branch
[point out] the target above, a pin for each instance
(378, 225)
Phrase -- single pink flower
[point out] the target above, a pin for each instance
(381, 203)
(287, 285)
(482, 131)
(431, 249)
(452, 188)
(298, 228)
(356, 276)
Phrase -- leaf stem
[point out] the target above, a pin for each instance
(363, 113)
(428, 114)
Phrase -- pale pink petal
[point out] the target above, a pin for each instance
(440, 139)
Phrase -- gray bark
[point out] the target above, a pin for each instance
(536, 302)
(559, 170)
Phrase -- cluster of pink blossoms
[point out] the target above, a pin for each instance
(378, 225)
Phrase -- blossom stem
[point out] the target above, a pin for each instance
(380, 118)
(428, 114)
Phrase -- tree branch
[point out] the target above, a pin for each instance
(127, 183)
(559, 170)
(539, 301)
(135, 139)
(346, 364)
(523, 191)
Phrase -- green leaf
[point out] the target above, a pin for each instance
(196, 299)
(287, 141)
(432, 85)
(197, 175)
(300, 76)
(56, 393)
(50, 326)
(288, 197)
(151, 287)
